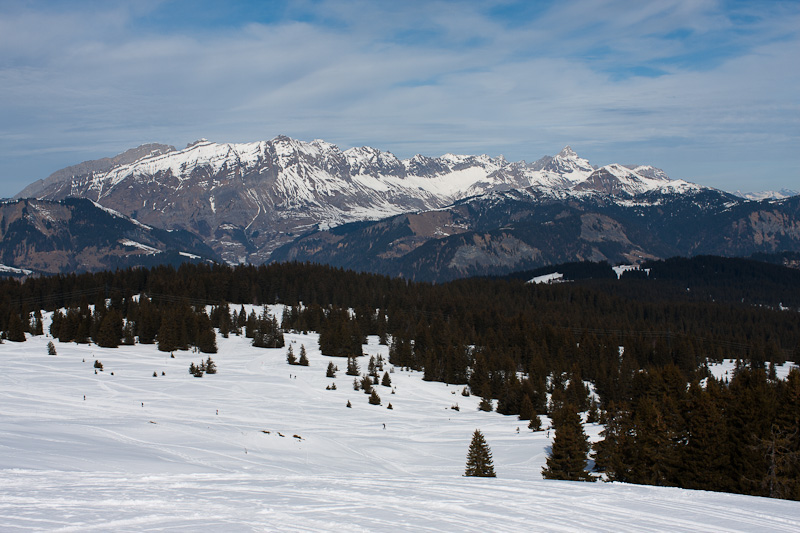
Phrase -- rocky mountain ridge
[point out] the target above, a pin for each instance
(247, 199)
(77, 235)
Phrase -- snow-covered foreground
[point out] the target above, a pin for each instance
(283, 453)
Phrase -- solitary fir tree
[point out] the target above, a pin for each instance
(303, 361)
(290, 358)
(331, 372)
(479, 457)
(51, 348)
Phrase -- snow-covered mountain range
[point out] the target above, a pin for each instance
(247, 199)
(767, 195)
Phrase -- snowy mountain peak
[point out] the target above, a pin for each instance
(567, 152)
(567, 165)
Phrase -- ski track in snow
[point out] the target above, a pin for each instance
(146, 453)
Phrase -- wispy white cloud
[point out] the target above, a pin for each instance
(703, 89)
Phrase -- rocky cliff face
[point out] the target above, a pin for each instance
(76, 235)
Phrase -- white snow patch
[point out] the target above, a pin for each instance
(555, 277)
(725, 369)
(620, 269)
(14, 270)
(149, 249)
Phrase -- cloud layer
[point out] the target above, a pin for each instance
(707, 90)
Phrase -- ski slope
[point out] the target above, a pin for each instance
(253, 449)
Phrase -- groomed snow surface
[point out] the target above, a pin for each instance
(144, 453)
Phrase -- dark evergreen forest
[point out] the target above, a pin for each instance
(642, 342)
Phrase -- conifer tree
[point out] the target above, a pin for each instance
(485, 405)
(169, 333)
(303, 361)
(51, 348)
(352, 367)
(110, 331)
(366, 384)
(526, 411)
(374, 399)
(331, 371)
(128, 338)
(38, 327)
(290, 358)
(567, 459)
(704, 457)
(16, 329)
(386, 381)
(479, 457)
(211, 366)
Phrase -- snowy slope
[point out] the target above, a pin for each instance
(145, 453)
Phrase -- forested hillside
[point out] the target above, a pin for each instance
(642, 345)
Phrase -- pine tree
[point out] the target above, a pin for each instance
(169, 332)
(386, 381)
(366, 384)
(567, 459)
(51, 348)
(128, 338)
(352, 367)
(207, 341)
(290, 358)
(110, 331)
(38, 327)
(374, 399)
(331, 372)
(211, 366)
(303, 361)
(479, 457)
(526, 411)
(16, 329)
(485, 405)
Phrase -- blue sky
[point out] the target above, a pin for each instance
(707, 90)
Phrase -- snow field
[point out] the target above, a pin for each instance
(284, 454)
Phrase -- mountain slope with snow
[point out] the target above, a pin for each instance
(247, 199)
(263, 445)
(78, 235)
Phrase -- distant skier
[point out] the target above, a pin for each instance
(384, 426)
